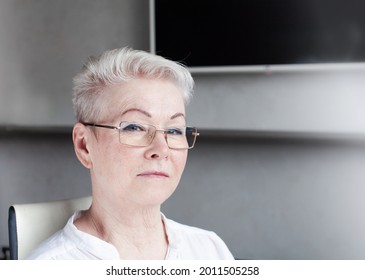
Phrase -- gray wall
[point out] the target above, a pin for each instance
(45, 42)
(277, 172)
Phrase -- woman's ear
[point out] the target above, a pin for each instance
(81, 138)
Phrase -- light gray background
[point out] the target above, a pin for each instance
(285, 187)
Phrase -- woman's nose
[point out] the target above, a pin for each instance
(159, 147)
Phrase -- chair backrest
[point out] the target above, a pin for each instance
(30, 224)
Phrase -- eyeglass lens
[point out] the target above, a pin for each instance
(142, 135)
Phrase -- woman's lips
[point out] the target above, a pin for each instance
(156, 174)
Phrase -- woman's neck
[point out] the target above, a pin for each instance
(136, 234)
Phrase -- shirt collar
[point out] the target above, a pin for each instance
(106, 251)
(87, 242)
(174, 240)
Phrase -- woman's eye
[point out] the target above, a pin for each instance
(174, 131)
(134, 128)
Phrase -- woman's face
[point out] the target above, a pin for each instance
(144, 176)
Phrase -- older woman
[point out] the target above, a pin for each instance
(132, 136)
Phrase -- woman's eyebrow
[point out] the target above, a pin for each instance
(137, 110)
(177, 115)
(149, 115)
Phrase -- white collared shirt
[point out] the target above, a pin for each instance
(185, 243)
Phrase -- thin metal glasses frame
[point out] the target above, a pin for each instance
(195, 133)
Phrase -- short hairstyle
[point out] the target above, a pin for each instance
(118, 66)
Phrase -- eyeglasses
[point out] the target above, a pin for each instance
(142, 135)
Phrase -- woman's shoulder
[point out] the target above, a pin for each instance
(196, 243)
(187, 229)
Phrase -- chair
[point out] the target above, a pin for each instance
(30, 224)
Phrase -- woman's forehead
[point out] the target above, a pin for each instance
(145, 98)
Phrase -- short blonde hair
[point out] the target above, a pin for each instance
(118, 66)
